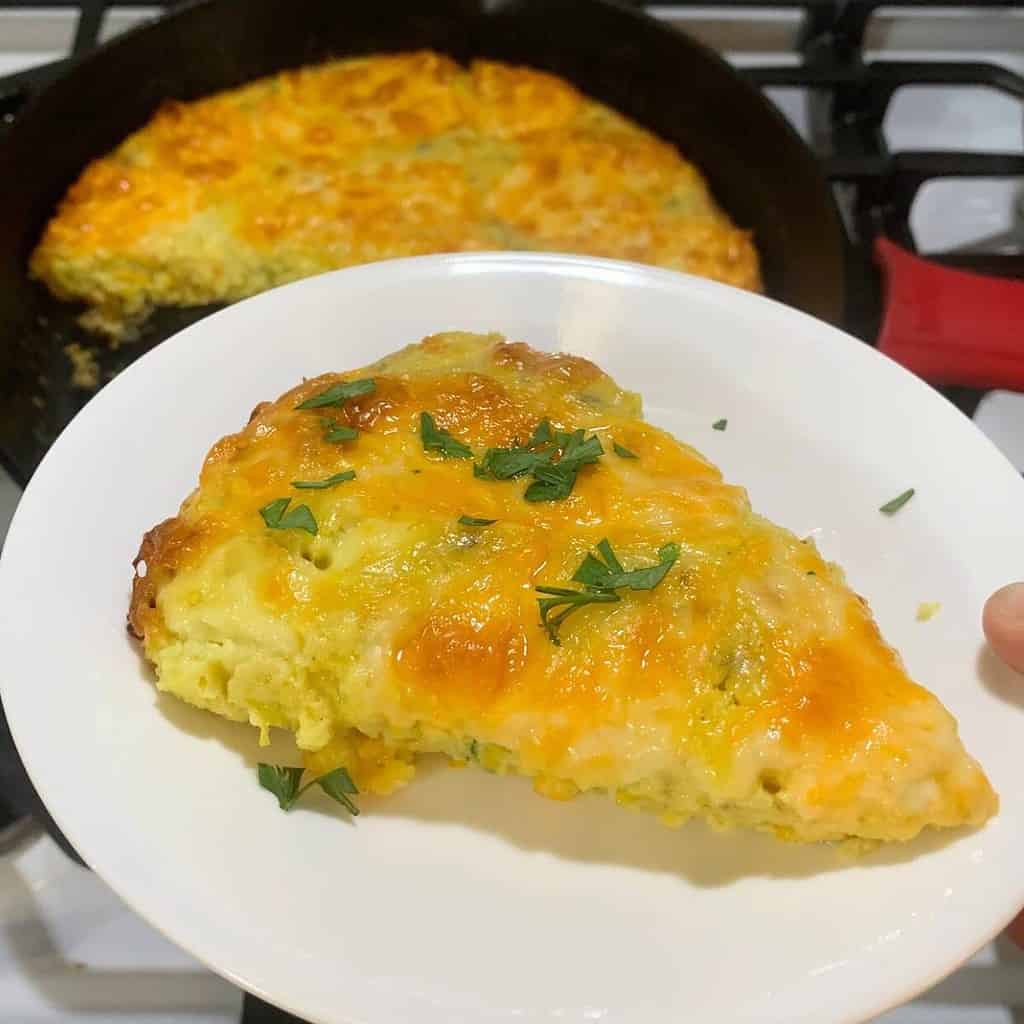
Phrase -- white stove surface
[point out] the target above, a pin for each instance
(72, 953)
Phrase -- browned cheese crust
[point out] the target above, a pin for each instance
(366, 159)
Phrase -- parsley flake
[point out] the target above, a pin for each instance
(508, 463)
(719, 424)
(556, 480)
(623, 452)
(322, 485)
(277, 516)
(601, 577)
(437, 440)
(552, 457)
(338, 785)
(338, 394)
(610, 575)
(890, 508)
(336, 433)
(579, 449)
(542, 434)
(551, 483)
(283, 781)
(569, 601)
(473, 521)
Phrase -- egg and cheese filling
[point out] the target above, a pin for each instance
(361, 567)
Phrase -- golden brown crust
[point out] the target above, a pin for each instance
(162, 550)
(472, 405)
(145, 582)
(558, 365)
(365, 159)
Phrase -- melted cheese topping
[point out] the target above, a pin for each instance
(750, 686)
(360, 160)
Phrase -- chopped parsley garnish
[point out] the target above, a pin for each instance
(508, 463)
(890, 508)
(338, 394)
(556, 480)
(609, 574)
(551, 483)
(601, 577)
(335, 432)
(552, 478)
(569, 601)
(623, 452)
(284, 782)
(278, 516)
(473, 521)
(719, 424)
(542, 434)
(322, 485)
(338, 785)
(579, 449)
(437, 440)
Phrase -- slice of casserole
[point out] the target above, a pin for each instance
(364, 159)
(478, 549)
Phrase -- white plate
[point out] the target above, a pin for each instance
(466, 898)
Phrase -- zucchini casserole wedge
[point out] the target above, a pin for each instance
(369, 158)
(481, 550)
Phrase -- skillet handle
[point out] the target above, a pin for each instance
(951, 326)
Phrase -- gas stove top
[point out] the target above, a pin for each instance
(917, 112)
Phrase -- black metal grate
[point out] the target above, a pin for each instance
(16, 89)
(848, 99)
(875, 186)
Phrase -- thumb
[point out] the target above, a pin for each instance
(1003, 622)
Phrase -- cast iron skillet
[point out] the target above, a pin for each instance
(757, 166)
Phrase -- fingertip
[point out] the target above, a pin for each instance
(1016, 930)
(1003, 623)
